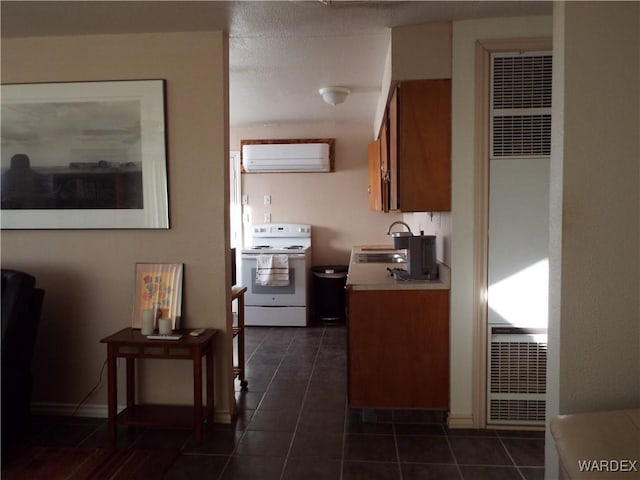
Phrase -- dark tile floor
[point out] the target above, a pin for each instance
(294, 423)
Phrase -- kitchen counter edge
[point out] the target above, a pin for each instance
(374, 276)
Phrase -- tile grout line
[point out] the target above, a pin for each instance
(344, 435)
(304, 399)
(271, 380)
(395, 441)
(511, 458)
(246, 429)
(453, 455)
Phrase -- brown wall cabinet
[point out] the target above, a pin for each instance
(375, 177)
(416, 165)
(398, 348)
(379, 172)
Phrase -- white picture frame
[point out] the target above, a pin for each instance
(96, 152)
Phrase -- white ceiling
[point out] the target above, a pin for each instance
(281, 53)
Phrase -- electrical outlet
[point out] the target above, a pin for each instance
(267, 199)
(267, 218)
(245, 199)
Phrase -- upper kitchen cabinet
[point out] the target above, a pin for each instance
(413, 119)
(379, 173)
(419, 156)
(375, 177)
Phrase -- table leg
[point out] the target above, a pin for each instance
(131, 382)
(241, 375)
(211, 399)
(197, 393)
(112, 374)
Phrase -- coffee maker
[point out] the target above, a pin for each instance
(421, 258)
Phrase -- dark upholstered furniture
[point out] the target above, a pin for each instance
(21, 307)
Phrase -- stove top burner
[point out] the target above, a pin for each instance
(293, 247)
(259, 247)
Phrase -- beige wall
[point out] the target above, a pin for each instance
(335, 203)
(88, 274)
(421, 51)
(594, 322)
(415, 52)
(600, 338)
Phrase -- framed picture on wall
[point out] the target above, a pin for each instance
(84, 155)
(158, 287)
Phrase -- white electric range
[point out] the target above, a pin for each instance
(287, 305)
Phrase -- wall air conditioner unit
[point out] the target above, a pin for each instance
(276, 157)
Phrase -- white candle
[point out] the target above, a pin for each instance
(164, 326)
(148, 323)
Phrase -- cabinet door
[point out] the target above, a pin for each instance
(398, 353)
(393, 151)
(384, 164)
(424, 145)
(375, 177)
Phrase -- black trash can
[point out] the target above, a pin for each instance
(329, 292)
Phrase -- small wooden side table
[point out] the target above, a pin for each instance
(237, 293)
(130, 344)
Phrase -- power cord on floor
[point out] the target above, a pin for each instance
(92, 391)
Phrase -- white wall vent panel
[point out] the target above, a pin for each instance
(517, 374)
(520, 105)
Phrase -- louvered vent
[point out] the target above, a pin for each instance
(518, 367)
(527, 412)
(522, 135)
(521, 105)
(517, 375)
(522, 81)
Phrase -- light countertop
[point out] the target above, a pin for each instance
(375, 276)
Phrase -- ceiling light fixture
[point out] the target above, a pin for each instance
(334, 95)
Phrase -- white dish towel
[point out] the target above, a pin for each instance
(272, 270)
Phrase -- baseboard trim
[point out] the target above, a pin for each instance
(460, 421)
(68, 410)
(222, 416)
(100, 411)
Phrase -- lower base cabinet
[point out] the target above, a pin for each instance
(398, 344)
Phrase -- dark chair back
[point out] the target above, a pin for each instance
(21, 308)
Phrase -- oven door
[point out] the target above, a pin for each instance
(291, 295)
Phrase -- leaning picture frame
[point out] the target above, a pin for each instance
(84, 155)
(158, 287)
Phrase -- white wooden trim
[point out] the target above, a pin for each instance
(460, 421)
(481, 213)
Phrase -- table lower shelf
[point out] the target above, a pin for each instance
(170, 416)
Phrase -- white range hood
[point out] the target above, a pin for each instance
(286, 157)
